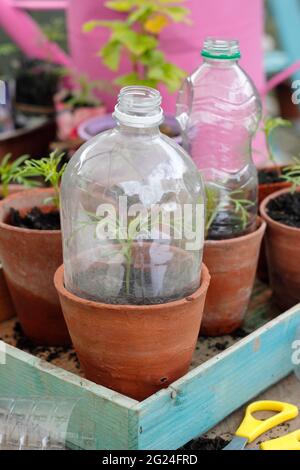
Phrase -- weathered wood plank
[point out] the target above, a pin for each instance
(102, 418)
(209, 393)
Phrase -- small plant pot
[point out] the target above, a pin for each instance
(7, 310)
(283, 255)
(30, 259)
(265, 190)
(68, 117)
(232, 264)
(135, 350)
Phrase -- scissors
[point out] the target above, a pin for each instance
(251, 428)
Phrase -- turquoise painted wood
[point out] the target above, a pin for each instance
(286, 15)
(170, 418)
(205, 396)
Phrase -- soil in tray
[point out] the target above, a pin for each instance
(270, 176)
(61, 356)
(285, 209)
(35, 219)
(203, 443)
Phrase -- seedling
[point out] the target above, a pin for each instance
(240, 205)
(10, 173)
(50, 169)
(138, 228)
(138, 36)
(84, 90)
(291, 174)
(269, 126)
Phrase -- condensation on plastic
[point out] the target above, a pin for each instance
(296, 354)
(135, 164)
(35, 424)
(219, 110)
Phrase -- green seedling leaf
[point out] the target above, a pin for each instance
(111, 54)
(49, 168)
(119, 5)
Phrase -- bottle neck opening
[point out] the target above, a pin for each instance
(139, 107)
(221, 49)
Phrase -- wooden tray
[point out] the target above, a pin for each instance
(226, 373)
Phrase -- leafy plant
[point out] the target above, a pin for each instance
(84, 91)
(123, 238)
(291, 174)
(269, 125)
(10, 173)
(49, 168)
(213, 205)
(138, 36)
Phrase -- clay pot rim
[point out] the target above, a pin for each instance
(268, 219)
(278, 184)
(261, 227)
(60, 287)
(12, 197)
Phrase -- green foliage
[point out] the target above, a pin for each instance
(291, 174)
(55, 30)
(269, 125)
(138, 35)
(213, 204)
(10, 173)
(8, 49)
(241, 207)
(49, 168)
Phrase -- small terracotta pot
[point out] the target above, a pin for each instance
(135, 350)
(69, 118)
(232, 265)
(264, 190)
(30, 259)
(7, 310)
(283, 254)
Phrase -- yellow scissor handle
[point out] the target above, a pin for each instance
(289, 442)
(251, 428)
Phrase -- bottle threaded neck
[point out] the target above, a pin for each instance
(222, 49)
(139, 106)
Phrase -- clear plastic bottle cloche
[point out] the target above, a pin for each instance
(132, 211)
(219, 110)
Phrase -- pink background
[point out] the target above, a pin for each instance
(238, 19)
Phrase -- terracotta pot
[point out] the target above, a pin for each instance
(30, 259)
(283, 254)
(7, 310)
(232, 265)
(69, 118)
(135, 350)
(264, 190)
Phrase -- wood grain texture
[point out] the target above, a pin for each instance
(209, 393)
(101, 417)
(214, 388)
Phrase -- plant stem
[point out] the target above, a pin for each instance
(128, 267)
(4, 190)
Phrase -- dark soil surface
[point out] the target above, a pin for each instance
(269, 176)
(286, 209)
(50, 352)
(139, 293)
(226, 226)
(36, 219)
(203, 443)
